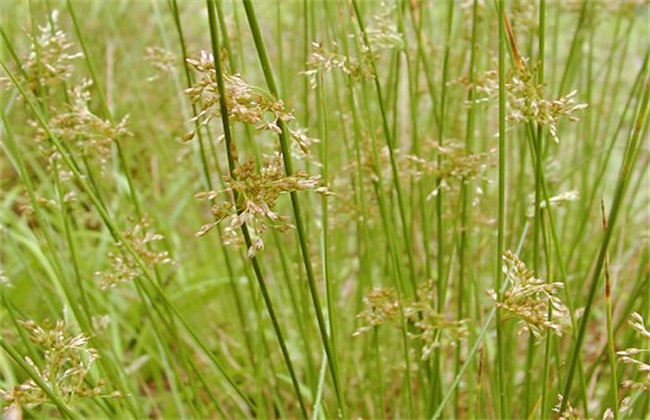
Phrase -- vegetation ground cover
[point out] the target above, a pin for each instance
(325, 209)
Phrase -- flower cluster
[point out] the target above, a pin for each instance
(124, 267)
(254, 194)
(529, 299)
(569, 413)
(381, 307)
(323, 60)
(346, 205)
(456, 163)
(430, 326)
(245, 103)
(162, 60)
(635, 356)
(526, 101)
(433, 328)
(382, 35)
(66, 363)
(49, 62)
(78, 127)
(554, 201)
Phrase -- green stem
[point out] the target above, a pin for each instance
(232, 165)
(390, 143)
(631, 152)
(500, 356)
(297, 213)
(611, 352)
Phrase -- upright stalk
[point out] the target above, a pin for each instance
(297, 213)
(500, 356)
(232, 165)
(629, 159)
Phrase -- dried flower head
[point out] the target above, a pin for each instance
(570, 413)
(526, 101)
(456, 165)
(162, 60)
(245, 103)
(124, 267)
(49, 62)
(638, 357)
(529, 298)
(81, 129)
(382, 35)
(433, 328)
(381, 307)
(554, 201)
(65, 363)
(254, 195)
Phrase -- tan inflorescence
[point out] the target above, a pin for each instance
(124, 266)
(526, 98)
(254, 196)
(65, 366)
(252, 188)
(529, 298)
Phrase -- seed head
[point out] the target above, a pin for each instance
(49, 62)
(638, 357)
(381, 307)
(66, 360)
(253, 198)
(528, 298)
(124, 267)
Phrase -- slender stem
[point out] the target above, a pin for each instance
(631, 152)
(611, 352)
(500, 355)
(464, 242)
(297, 213)
(391, 151)
(232, 165)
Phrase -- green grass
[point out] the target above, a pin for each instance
(176, 245)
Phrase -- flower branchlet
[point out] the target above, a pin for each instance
(526, 98)
(381, 307)
(162, 60)
(433, 328)
(638, 357)
(570, 413)
(323, 60)
(245, 103)
(50, 58)
(528, 298)
(253, 198)
(124, 267)
(456, 164)
(555, 201)
(382, 35)
(78, 127)
(65, 366)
